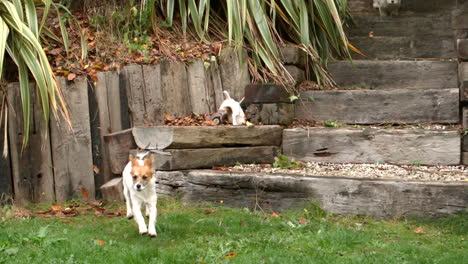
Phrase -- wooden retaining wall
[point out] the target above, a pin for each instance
(64, 162)
(377, 198)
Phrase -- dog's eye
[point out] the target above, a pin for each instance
(145, 177)
(134, 177)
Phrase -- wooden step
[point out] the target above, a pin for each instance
(409, 106)
(371, 145)
(364, 7)
(435, 25)
(403, 47)
(395, 74)
(187, 137)
(207, 158)
(338, 195)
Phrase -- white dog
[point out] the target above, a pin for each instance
(140, 189)
(233, 110)
(387, 7)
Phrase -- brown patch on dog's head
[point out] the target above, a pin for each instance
(142, 170)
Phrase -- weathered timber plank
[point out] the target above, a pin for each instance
(381, 106)
(119, 145)
(71, 149)
(462, 48)
(395, 74)
(266, 93)
(463, 78)
(464, 158)
(233, 75)
(161, 137)
(175, 91)
(298, 74)
(433, 24)
(6, 185)
(146, 98)
(271, 114)
(403, 47)
(214, 83)
(201, 158)
(107, 93)
(364, 7)
(202, 96)
(346, 145)
(134, 84)
(32, 167)
(113, 190)
(377, 198)
(153, 95)
(292, 55)
(108, 96)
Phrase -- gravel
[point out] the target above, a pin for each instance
(370, 171)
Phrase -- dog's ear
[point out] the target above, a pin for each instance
(149, 160)
(132, 159)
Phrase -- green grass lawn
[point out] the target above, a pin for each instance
(208, 234)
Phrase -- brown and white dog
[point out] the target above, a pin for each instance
(139, 185)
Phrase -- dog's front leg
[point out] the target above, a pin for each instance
(153, 214)
(128, 202)
(139, 217)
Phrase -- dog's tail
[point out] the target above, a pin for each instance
(226, 94)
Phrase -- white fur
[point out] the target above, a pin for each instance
(237, 116)
(135, 199)
(387, 7)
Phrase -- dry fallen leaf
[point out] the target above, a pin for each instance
(274, 215)
(303, 220)
(56, 208)
(208, 211)
(167, 117)
(84, 192)
(231, 255)
(96, 169)
(71, 76)
(419, 230)
(248, 124)
(101, 242)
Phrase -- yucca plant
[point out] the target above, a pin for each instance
(262, 26)
(259, 26)
(21, 33)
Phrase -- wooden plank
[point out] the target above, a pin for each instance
(271, 114)
(202, 96)
(113, 190)
(266, 93)
(403, 47)
(364, 7)
(183, 159)
(162, 137)
(377, 198)
(31, 167)
(381, 106)
(214, 83)
(462, 48)
(463, 78)
(6, 185)
(347, 145)
(425, 24)
(134, 84)
(233, 75)
(395, 74)
(174, 85)
(152, 94)
(107, 94)
(119, 145)
(298, 74)
(293, 55)
(71, 149)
